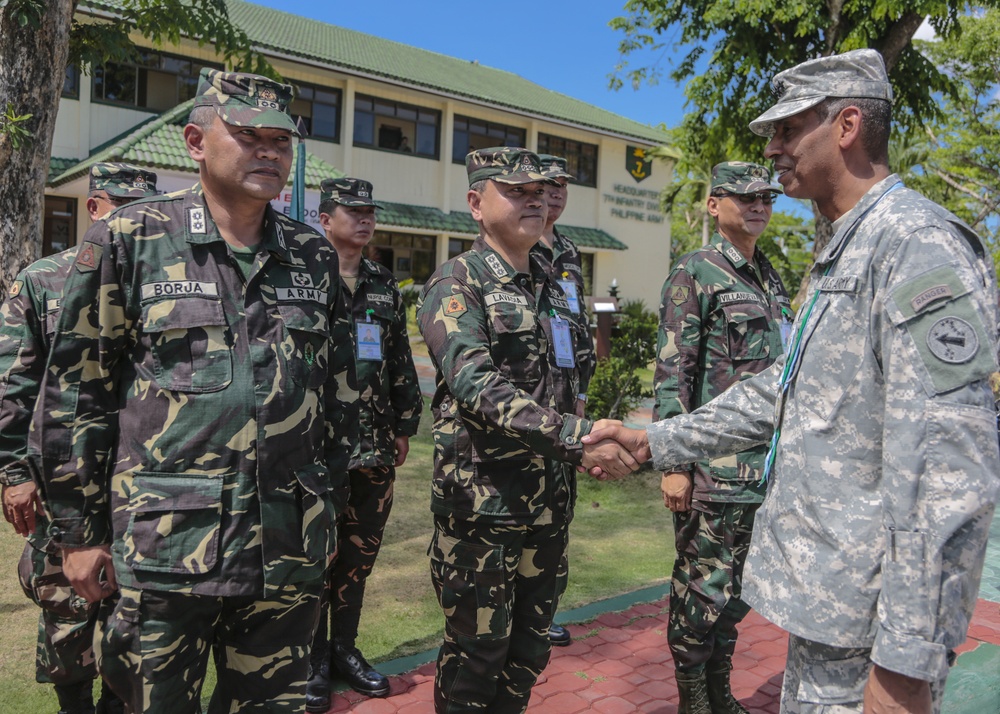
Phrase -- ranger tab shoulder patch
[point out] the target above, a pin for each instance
(454, 305)
(88, 258)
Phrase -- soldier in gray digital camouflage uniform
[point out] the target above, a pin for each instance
(389, 411)
(203, 344)
(65, 653)
(497, 326)
(884, 467)
(562, 261)
(723, 317)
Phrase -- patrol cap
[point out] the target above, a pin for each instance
(856, 74)
(554, 166)
(347, 192)
(504, 164)
(246, 99)
(742, 177)
(122, 180)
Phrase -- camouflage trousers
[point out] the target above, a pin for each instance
(498, 587)
(65, 650)
(154, 649)
(705, 602)
(822, 679)
(359, 538)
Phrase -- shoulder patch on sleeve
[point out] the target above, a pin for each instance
(15, 288)
(89, 257)
(679, 294)
(454, 305)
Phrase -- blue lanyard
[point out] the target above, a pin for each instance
(792, 361)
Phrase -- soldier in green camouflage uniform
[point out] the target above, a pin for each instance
(204, 344)
(722, 318)
(65, 654)
(389, 411)
(562, 261)
(497, 326)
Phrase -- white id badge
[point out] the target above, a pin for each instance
(369, 341)
(572, 297)
(786, 333)
(562, 343)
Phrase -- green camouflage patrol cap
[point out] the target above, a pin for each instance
(856, 74)
(554, 166)
(122, 180)
(505, 164)
(347, 192)
(742, 177)
(246, 99)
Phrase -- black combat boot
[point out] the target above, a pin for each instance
(720, 696)
(318, 685)
(109, 703)
(693, 692)
(348, 661)
(75, 698)
(559, 636)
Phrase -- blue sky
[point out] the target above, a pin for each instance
(563, 45)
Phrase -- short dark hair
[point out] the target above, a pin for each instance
(328, 206)
(876, 122)
(478, 186)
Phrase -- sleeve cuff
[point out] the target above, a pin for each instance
(14, 476)
(911, 656)
(78, 532)
(574, 429)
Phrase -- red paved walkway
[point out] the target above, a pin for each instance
(619, 663)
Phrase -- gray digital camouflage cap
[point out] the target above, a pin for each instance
(504, 164)
(554, 166)
(122, 180)
(859, 73)
(246, 99)
(742, 177)
(347, 192)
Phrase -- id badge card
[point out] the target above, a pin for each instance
(786, 333)
(369, 341)
(572, 297)
(562, 343)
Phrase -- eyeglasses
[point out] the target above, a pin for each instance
(767, 198)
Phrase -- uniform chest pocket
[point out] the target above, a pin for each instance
(306, 347)
(747, 331)
(517, 348)
(191, 344)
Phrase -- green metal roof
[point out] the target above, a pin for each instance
(404, 215)
(58, 165)
(356, 52)
(158, 143)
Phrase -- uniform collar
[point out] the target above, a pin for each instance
(500, 269)
(201, 229)
(732, 253)
(844, 226)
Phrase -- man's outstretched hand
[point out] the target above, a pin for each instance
(633, 441)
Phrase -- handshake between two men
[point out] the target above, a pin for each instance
(612, 450)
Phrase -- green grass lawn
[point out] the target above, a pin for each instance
(620, 541)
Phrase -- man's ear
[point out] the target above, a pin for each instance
(475, 200)
(849, 123)
(93, 208)
(194, 140)
(712, 204)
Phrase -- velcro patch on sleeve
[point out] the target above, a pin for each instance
(88, 258)
(453, 305)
